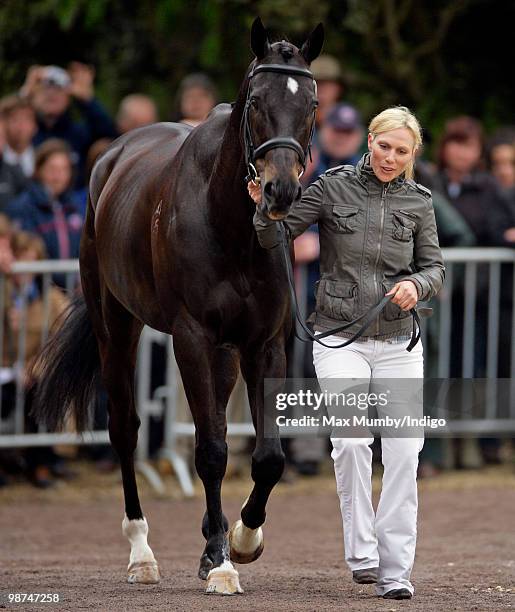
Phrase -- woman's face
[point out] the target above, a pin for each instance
(391, 152)
(462, 156)
(56, 173)
(502, 158)
(196, 103)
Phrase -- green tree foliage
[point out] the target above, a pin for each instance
(440, 57)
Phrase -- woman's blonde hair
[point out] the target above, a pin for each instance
(394, 118)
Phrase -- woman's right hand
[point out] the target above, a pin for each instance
(254, 190)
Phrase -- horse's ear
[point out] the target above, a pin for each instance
(259, 42)
(310, 50)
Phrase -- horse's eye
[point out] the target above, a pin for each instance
(315, 103)
(254, 102)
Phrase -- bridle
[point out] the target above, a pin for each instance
(253, 153)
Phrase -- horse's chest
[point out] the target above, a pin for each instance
(243, 303)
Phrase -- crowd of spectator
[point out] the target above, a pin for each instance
(51, 133)
(54, 128)
(472, 180)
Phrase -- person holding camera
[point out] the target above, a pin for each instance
(51, 90)
(377, 237)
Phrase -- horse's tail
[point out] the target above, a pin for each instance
(66, 373)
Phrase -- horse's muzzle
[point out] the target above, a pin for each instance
(279, 196)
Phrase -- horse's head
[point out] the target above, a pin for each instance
(279, 116)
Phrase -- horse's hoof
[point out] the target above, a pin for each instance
(224, 580)
(144, 572)
(206, 565)
(246, 544)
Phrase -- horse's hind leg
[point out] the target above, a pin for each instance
(117, 333)
(118, 359)
(209, 374)
(246, 536)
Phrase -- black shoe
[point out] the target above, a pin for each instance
(365, 576)
(398, 594)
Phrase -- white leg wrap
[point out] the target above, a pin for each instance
(142, 567)
(246, 544)
(136, 531)
(246, 540)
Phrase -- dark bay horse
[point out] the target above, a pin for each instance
(169, 242)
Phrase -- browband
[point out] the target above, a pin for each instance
(281, 68)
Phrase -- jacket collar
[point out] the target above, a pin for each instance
(369, 179)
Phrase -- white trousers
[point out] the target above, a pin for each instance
(385, 539)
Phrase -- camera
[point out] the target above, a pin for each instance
(55, 76)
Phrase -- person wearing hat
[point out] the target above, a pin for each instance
(51, 90)
(339, 139)
(330, 86)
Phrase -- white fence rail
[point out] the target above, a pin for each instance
(495, 269)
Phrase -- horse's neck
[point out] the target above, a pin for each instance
(230, 205)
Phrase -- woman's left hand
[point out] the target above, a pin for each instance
(404, 294)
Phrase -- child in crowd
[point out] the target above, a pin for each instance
(27, 319)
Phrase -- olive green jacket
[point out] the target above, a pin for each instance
(372, 235)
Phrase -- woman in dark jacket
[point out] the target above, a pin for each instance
(377, 236)
(472, 192)
(47, 207)
(476, 196)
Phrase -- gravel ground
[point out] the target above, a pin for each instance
(68, 541)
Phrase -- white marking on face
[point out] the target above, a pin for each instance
(292, 85)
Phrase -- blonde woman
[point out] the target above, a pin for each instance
(377, 236)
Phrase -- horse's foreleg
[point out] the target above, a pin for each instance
(246, 536)
(208, 375)
(118, 357)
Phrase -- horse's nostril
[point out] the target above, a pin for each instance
(269, 190)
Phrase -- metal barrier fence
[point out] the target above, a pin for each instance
(474, 268)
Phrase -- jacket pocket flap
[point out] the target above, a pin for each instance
(408, 213)
(345, 211)
(340, 289)
(403, 219)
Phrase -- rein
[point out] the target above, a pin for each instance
(253, 153)
(367, 317)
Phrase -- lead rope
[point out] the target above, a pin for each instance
(368, 317)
